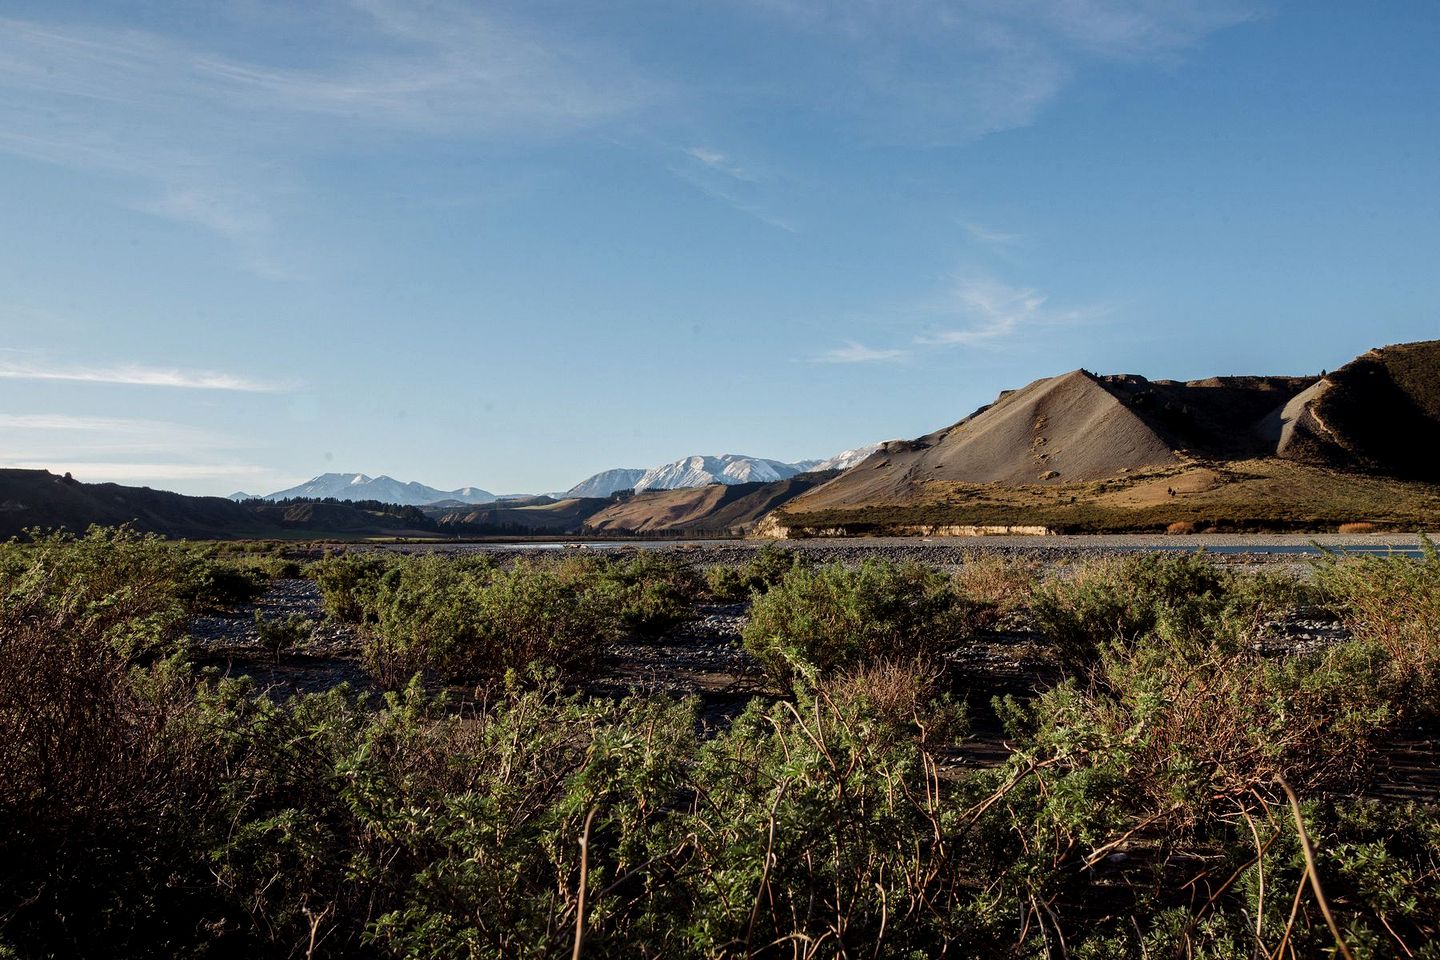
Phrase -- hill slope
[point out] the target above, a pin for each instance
(717, 508)
(1081, 451)
(1379, 413)
(38, 498)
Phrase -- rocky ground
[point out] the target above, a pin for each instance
(703, 657)
(231, 644)
(1242, 549)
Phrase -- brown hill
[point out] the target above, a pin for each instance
(38, 498)
(1065, 429)
(1132, 448)
(716, 508)
(541, 515)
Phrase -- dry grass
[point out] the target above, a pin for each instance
(1363, 527)
(1001, 585)
(1393, 602)
(1245, 495)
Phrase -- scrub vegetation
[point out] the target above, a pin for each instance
(1175, 792)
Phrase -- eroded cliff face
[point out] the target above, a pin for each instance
(1380, 414)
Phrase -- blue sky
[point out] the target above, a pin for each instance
(511, 244)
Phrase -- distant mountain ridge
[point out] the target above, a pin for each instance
(700, 470)
(694, 471)
(607, 482)
(358, 486)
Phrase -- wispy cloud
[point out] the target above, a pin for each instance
(722, 163)
(41, 436)
(126, 450)
(987, 311)
(134, 375)
(91, 471)
(951, 70)
(853, 352)
(737, 185)
(217, 141)
(989, 237)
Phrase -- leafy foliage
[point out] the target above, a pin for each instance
(150, 811)
(762, 571)
(825, 619)
(1121, 601)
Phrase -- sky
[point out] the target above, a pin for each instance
(511, 244)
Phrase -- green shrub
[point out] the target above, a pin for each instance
(652, 593)
(104, 779)
(136, 589)
(767, 567)
(473, 622)
(280, 634)
(220, 586)
(825, 619)
(146, 811)
(347, 581)
(1122, 600)
(1393, 602)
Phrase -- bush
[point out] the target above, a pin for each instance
(767, 567)
(1001, 587)
(473, 622)
(347, 581)
(103, 774)
(654, 594)
(135, 589)
(1393, 602)
(825, 619)
(146, 811)
(219, 586)
(1358, 527)
(278, 635)
(1122, 600)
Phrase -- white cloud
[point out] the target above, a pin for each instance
(44, 436)
(216, 141)
(943, 71)
(721, 177)
(722, 163)
(135, 375)
(853, 352)
(991, 238)
(99, 449)
(989, 311)
(125, 472)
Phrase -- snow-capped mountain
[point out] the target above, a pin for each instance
(607, 482)
(357, 486)
(700, 471)
(843, 460)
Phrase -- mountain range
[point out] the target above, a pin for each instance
(358, 486)
(1076, 452)
(695, 471)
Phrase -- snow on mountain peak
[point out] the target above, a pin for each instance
(699, 470)
(358, 486)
